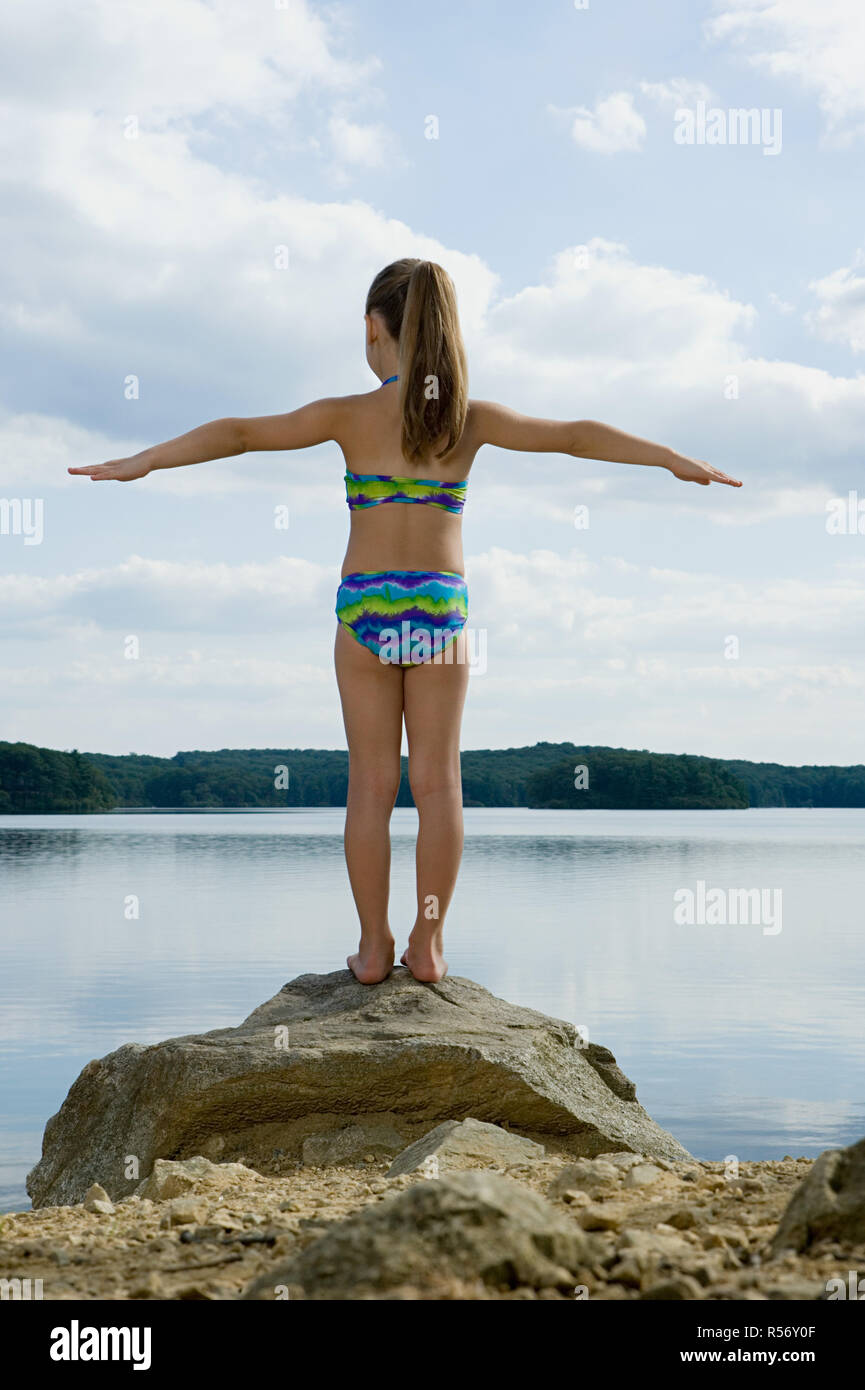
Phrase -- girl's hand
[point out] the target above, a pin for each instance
(119, 470)
(696, 471)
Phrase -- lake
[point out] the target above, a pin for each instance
(743, 1037)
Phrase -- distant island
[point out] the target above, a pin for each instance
(552, 776)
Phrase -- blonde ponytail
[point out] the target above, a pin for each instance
(418, 303)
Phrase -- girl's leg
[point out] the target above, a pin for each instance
(434, 697)
(371, 692)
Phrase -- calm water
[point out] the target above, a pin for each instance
(740, 1041)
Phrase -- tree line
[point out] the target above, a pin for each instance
(556, 776)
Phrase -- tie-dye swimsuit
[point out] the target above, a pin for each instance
(406, 617)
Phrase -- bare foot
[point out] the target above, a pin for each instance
(425, 960)
(373, 962)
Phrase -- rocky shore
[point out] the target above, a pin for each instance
(408, 1142)
(641, 1229)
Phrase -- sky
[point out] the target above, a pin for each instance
(196, 197)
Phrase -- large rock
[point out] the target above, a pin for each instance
(829, 1204)
(326, 1053)
(462, 1228)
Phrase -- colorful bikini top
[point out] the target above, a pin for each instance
(372, 489)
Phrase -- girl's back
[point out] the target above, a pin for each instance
(394, 536)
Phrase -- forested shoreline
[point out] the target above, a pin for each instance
(557, 776)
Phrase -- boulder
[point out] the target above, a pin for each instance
(828, 1204)
(167, 1179)
(458, 1229)
(96, 1199)
(325, 1053)
(462, 1143)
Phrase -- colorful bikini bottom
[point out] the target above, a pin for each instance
(406, 617)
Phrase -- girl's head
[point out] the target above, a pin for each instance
(415, 304)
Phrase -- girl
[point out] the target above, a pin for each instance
(401, 651)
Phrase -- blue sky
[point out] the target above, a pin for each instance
(711, 296)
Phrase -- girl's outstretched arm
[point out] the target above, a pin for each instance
(499, 425)
(315, 423)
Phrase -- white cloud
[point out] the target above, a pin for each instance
(817, 45)
(172, 59)
(599, 310)
(153, 228)
(170, 272)
(189, 671)
(614, 125)
(36, 450)
(782, 305)
(677, 92)
(665, 354)
(211, 326)
(840, 315)
(143, 595)
(666, 610)
(217, 637)
(368, 146)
